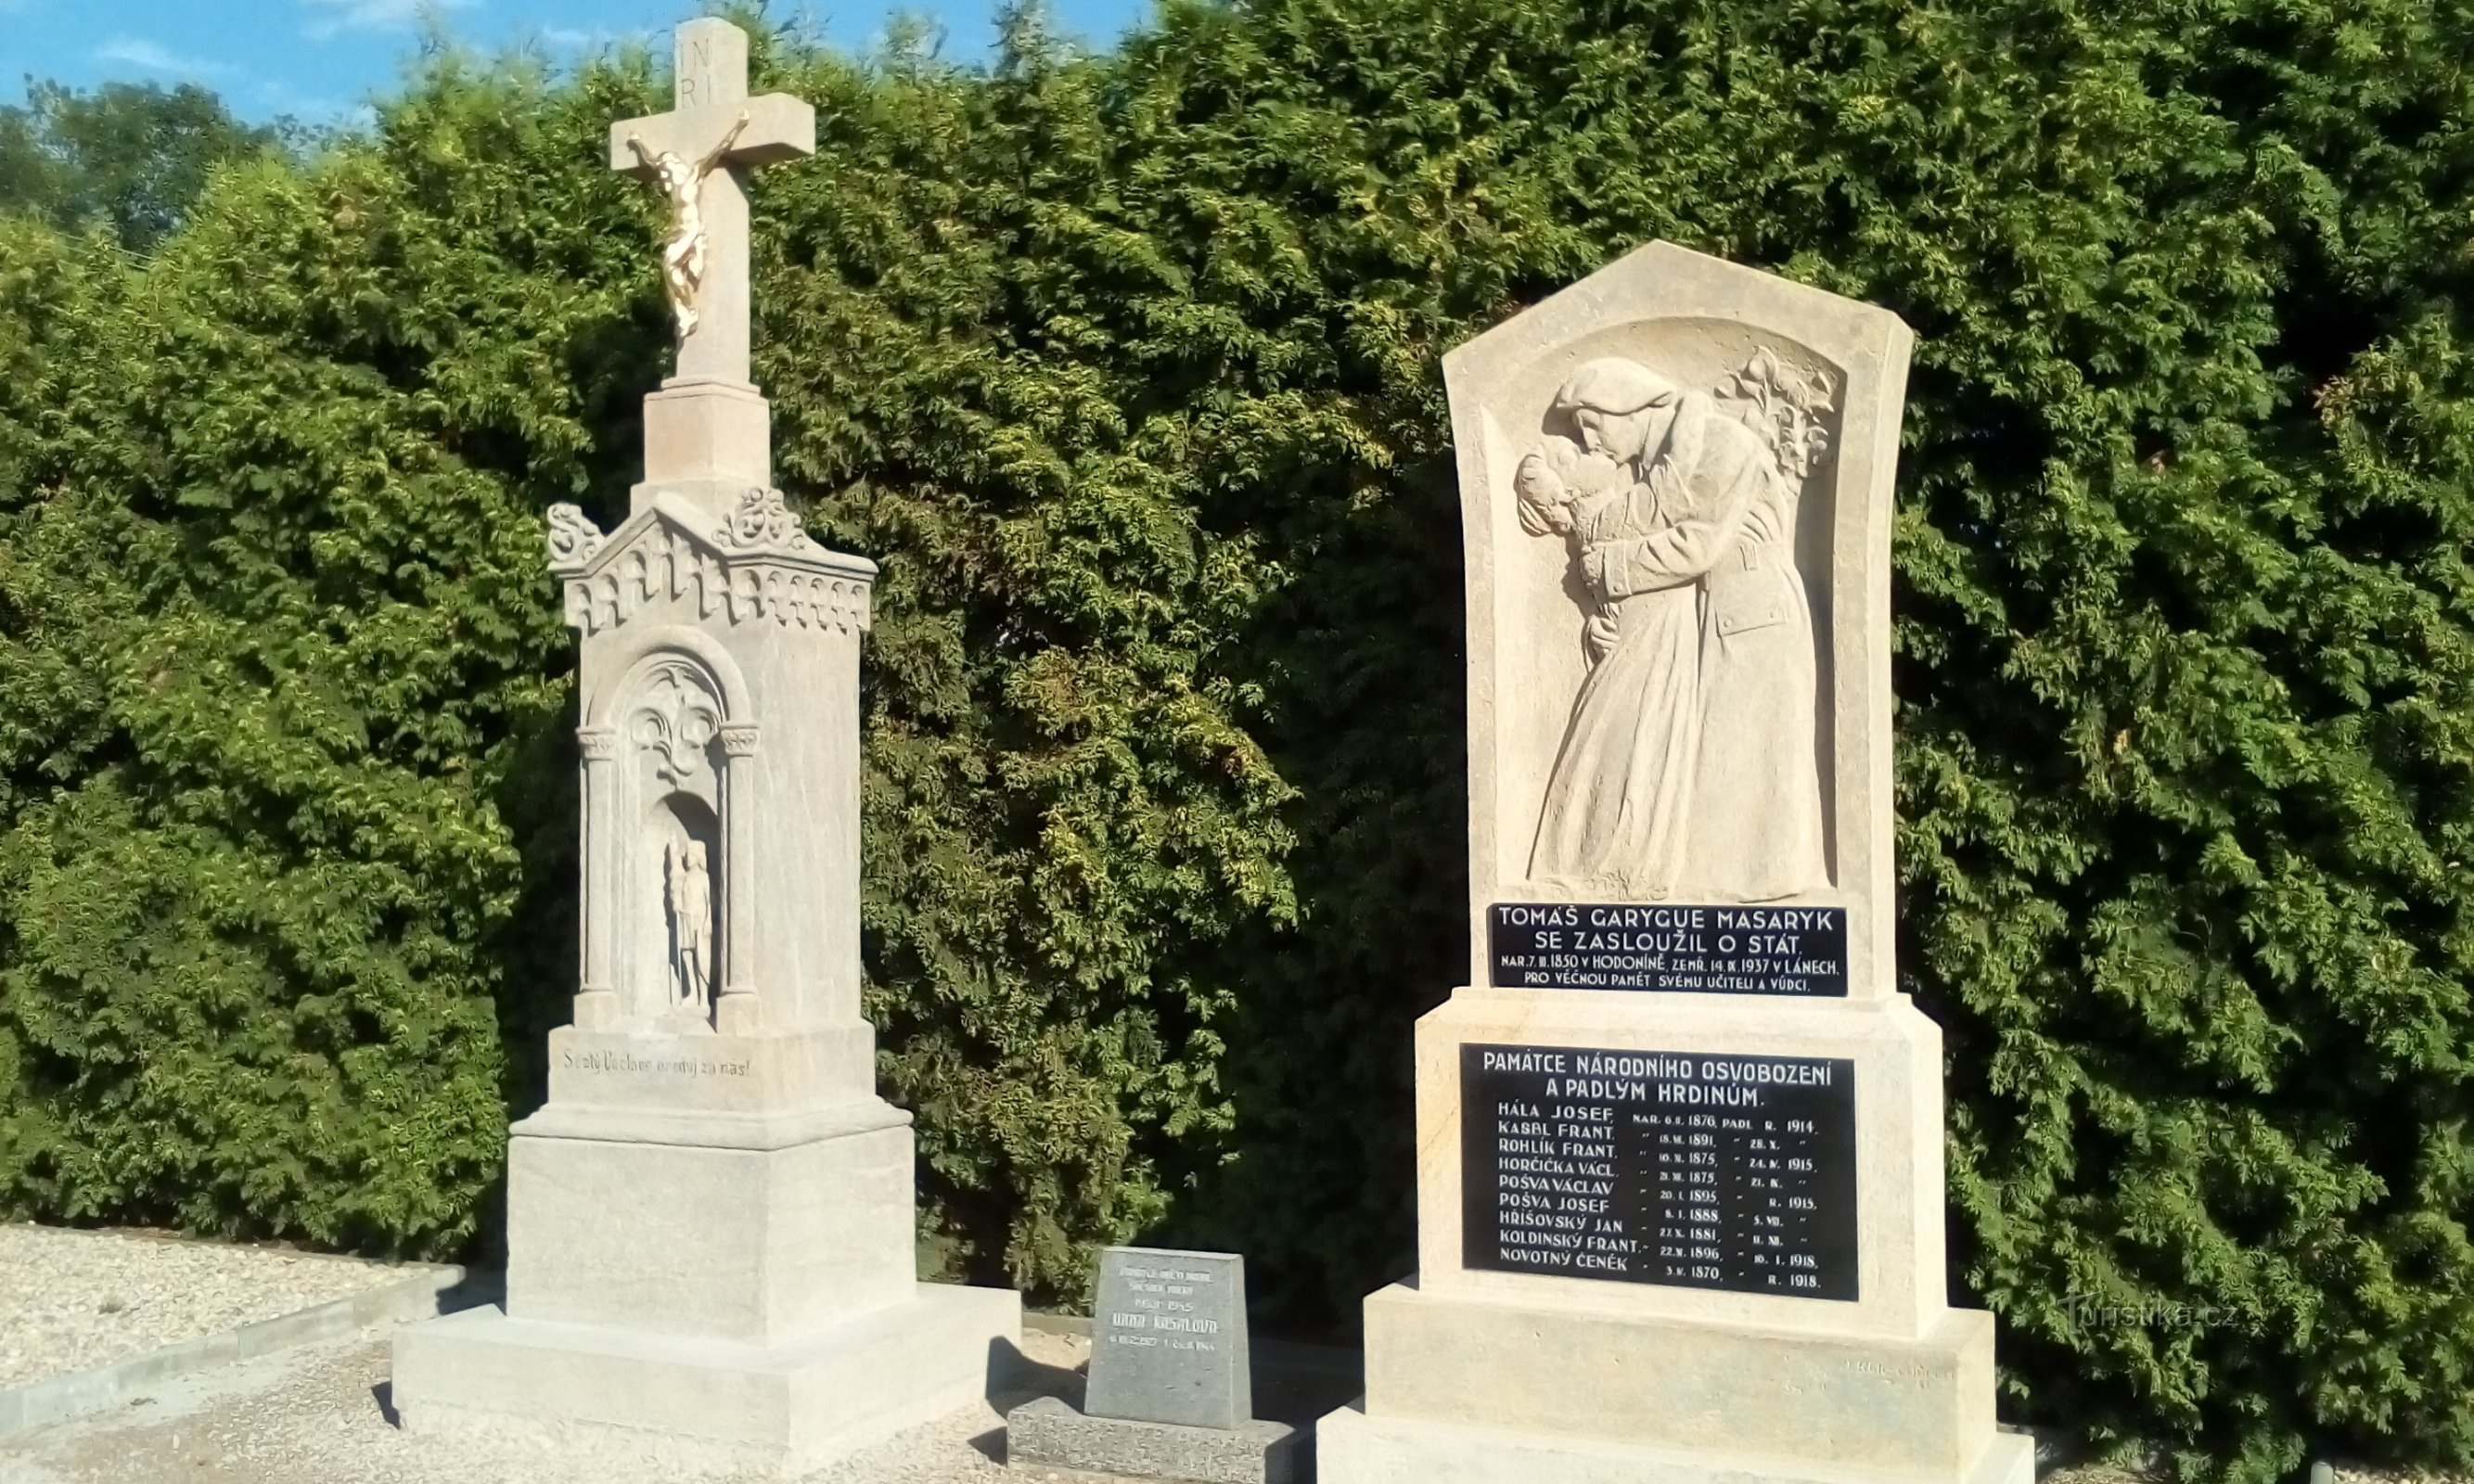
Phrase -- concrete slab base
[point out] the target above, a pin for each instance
(1053, 1434)
(780, 1408)
(1917, 1407)
(1351, 1447)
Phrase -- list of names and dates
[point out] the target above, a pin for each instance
(1697, 1169)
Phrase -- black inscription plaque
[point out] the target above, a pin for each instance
(1697, 1169)
(1705, 950)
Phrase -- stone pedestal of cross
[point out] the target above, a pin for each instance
(711, 1221)
(708, 425)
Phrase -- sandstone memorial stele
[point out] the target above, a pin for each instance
(1680, 1179)
(709, 1225)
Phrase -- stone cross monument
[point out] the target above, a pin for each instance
(710, 1224)
(1680, 1179)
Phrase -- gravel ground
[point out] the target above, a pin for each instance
(317, 1415)
(71, 1301)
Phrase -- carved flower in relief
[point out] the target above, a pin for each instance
(572, 539)
(762, 521)
(676, 722)
(1790, 411)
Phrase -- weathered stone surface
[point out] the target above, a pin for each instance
(1050, 1434)
(711, 1222)
(779, 1408)
(1675, 483)
(1677, 491)
(1168, 1338)
(757, 1246)
(1897, 1406)
(1355, 1447)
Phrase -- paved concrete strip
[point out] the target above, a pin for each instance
(1041, 1322)
(415, 1295)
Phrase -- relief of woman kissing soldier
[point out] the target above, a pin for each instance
(1690, 756)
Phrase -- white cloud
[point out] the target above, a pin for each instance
(583, 38)
(327, 17)
(150, 57)
(315, 108)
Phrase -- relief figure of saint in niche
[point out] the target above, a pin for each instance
(1690, 752)
(690, 904)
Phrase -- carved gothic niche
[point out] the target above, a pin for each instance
(663, 845)
(672, 719)
(1670, 643)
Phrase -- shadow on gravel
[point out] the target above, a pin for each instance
(1014, 1378)
(477, 1286)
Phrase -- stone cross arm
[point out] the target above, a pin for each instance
(779, 126)
(699, 154)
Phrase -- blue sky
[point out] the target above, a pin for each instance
(321, 60)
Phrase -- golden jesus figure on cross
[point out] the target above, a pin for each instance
(699, 154)
(683, 254)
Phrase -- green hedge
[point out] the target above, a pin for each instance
(1125, 368)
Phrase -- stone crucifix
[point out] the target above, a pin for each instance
(698, 152)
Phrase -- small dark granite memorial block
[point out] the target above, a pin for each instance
(1170, 1393)
(1168, 1338)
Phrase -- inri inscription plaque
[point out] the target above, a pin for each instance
(1700, 1169)
(1695, 950)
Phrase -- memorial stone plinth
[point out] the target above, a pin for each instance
(1680, 1179)
(710, 1224)
(1171, 1392)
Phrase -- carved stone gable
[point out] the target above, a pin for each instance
(754, 564)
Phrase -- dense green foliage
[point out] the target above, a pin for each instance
(1125, 368)
(131, 157)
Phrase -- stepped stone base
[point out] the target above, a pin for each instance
(1477, 1388)
(1351, 1447)
(617, 1220)
(1918, 1407)
(780, 1408)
